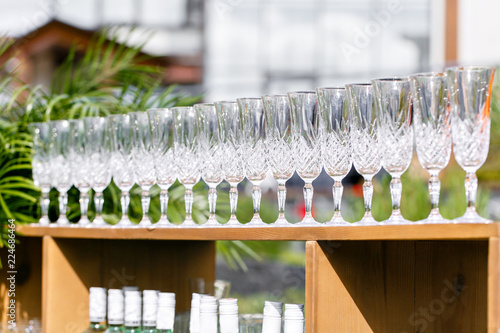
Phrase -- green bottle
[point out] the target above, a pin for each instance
(132, 311)
(97, 310)
(115, 311)
(149, 311)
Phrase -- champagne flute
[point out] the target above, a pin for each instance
(143, 161)
(97, 148)
(470, 97)
(306, 145)
(186, 155)
(392, 100)
(335, 147)
(162, 140)
(120, 136)
(41, 166)
(211, 153)
(80, 164)
(365, 140)
(232, 142)
(432, 131)
(253, 124)
(278, 138)
(61, 171)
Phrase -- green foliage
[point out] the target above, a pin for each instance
(254, 303)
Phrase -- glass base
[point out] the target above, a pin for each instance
(43, 222)
(433, 218)
(233, 222)
(145, 223)
(164, 223)
(337, 221)
(84, 221)
(281, 222)
(367, 220)
(188, 223)
(211, 223)
(396, 220)
(124, 223)
(308, 221)
(97, 223)
(256, 222)
(471, 216)
(62, 221)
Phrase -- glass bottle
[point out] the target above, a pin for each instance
(97, 310)
(115, 311)
(165, 317)
(132, 311)
(149, 311)
(271, 322)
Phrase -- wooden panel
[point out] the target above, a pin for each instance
(359, 286)
(71, 266)
(494, 285)
(399, 286)
(28, 293)
(451, 32)
(379, 232)
(451, 287)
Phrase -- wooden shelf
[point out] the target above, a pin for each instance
(382, 232)
(403, 278)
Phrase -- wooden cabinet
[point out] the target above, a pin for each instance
(415, 278)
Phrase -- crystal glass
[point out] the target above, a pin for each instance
(142, 160)
(120, 139)
(80, 164)
(97, 148)
(278, 138)
(232, 143)
(41, 166)
(253, 124)
(212, 154)
(335, 144)
(186, 158)
(470, 95)
(366, 149)
(431, 122)
(61, 171)
(393, 100)
(162, 139)
(306, 147)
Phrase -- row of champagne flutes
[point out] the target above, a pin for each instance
(367, 125)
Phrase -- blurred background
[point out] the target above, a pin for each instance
(224, 49)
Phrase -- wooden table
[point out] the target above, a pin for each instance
(409, 278)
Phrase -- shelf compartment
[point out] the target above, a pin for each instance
(401, 286)
(72, 266)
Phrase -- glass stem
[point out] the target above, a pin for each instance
(99, 201)
(163, 204)
(281, 198)
(84, 205)
(396, 190)
(256, 197)
(233, 200)
(145, 200)
(434, 189)
(337, 190)
(367, 195)
(471, 191)
(63, 204)
(308, 197)
(188, 198)
(125, 201)
(212, 201)
(44, 206)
